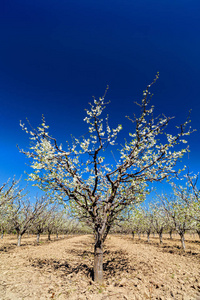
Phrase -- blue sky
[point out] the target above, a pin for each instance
(55, 55)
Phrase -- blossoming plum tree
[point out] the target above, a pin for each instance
(189, 195)
(10, 191)
(81, 174)
(23, 213)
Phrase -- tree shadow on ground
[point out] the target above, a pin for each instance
(115, 262)
(62, 266)
(169, 248)
(175, 249)
(7, 247)
(81, 254)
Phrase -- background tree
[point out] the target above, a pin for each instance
(137, 222)
(148, 221)
(51, 221)
(59, 222)
(40, 220)
(189, 193)
(23, 213)
(82, 174)
(170, 227)
(179, 213)
(10, 192)
(4, 219)
(159, 219)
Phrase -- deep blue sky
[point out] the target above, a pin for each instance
(55, 55)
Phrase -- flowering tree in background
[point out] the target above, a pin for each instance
(159, 219)
(4, 220)
(148, 222)
(136, 222)
(38, 223)
(182, 207)
(189, 195)
(22, 214)
(101, 190)
(179, 214)
(10, 192)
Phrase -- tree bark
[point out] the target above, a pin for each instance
(170, 234)
(98, 259)
(148, 235)
(182, 240)
(160, 237)
(38, 238)
(19, 240)
(49, 236)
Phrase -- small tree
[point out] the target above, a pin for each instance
(170, 227)
(40, 220)
(82, 174)
(23, 213)
(59, 222)
(159, 219)
(10, 192)
(148, 222)
(137, 222)
(179, 214)
(52, 220)
(4, 220)
(190, 195)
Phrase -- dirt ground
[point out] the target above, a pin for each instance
(133, 269)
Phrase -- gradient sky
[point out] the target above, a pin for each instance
(55, 55)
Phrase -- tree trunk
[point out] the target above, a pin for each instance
(49, 236)
(38, 238)
(2, 235)
(198, 232)
(133, 234)
(170, 234)
(98, 259)
(148, 234)
(182, 240)
(19, 240)
(160, 237)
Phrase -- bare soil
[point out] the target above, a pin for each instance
(133, 269)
